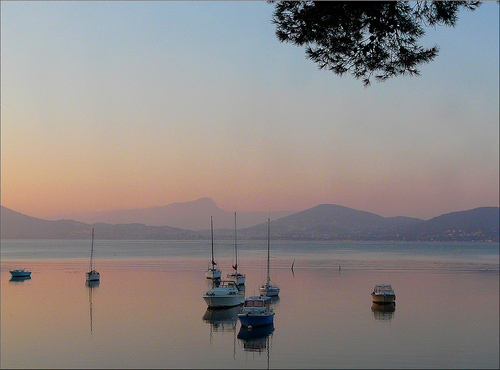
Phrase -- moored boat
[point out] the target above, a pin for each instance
(269, 289)
(256, 312)
(92, 274)
(20, 273)
(383, 293)
(224, 295)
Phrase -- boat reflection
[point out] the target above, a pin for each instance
(19, 278)
(91, 285)
(257, 339)
(224, 319)
(383, 311)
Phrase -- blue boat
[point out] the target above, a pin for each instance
(256, 312)
(255, 334)
(17, 273)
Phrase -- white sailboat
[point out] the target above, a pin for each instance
(236, 276)
(269, 289)
(213, 272)
(92, 274)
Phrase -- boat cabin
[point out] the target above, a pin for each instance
(383, 289)
(254, 303)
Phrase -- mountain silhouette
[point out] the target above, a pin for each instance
(323, 222)
(193, 215)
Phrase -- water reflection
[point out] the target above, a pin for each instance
(91, 285)
(128, 310)
(19, 278)
(383, 311)
(257, 339)
(222, 319)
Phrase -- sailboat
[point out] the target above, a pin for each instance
(236, 276)
(269, 289)
(92, 274)
(213, 272)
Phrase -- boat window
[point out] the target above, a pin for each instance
(249, 304)
(258, 304)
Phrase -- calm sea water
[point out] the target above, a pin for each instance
(148, 312)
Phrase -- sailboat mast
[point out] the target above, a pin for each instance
(268, 242)
(92, 249)
(235, 245)
(212, 232)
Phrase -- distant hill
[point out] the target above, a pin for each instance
(478, 224)
(332, 222)
(15, 225)
(194, 215)
(323, 222)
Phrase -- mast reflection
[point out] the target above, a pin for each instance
(222, 320)
(91, 285)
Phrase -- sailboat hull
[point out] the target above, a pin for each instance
(214, 274)
(92, 276)
(269, 290)
(238, 278)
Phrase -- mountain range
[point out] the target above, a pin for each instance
(194, 215)
(323, 222)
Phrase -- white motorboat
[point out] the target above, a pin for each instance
(213, 272)
(20, 273)
(92, 274)
(224, 295)
(236, 276)
(256, 312)
(268, 289)
(383, 293)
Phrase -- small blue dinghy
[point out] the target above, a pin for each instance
(20, 273)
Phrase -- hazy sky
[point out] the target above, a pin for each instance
(117, 105)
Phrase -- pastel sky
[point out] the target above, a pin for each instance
(118, 105)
